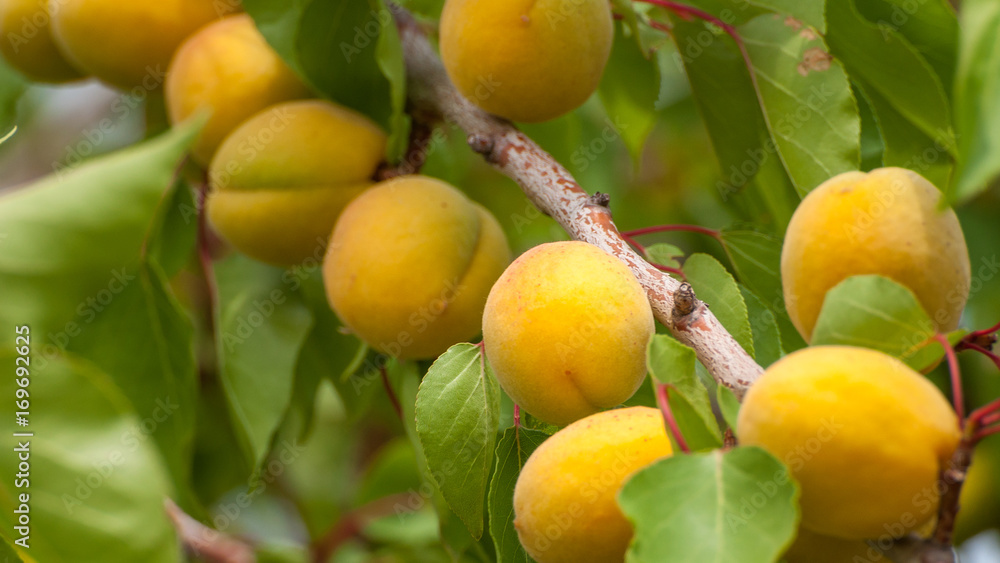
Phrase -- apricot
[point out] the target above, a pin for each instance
(526, 60)
(410, 264)
(565, 508)
(26, 42)
(886, 222)
(566, 328)
(228, 69)
(127, 44)
(864, 435)
(281, 179)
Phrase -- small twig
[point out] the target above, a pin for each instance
(354, 522)
(979, 415)
(421, 136)
(953, 477)
(212, 545)
(663, 399)
(388, 390)
(956, 377)
(977, 348)
(204, 247)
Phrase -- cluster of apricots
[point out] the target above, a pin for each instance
(413, 266)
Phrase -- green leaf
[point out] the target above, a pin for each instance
(872, 147)
(347, 50)
(806, 98)
(626, 8)
(715, 286)
(809, 12)
(883, 59)
(12, 85)
(664, 254)
(144, 341)
(878, 313)
(977, 98)
(629, 90)
(729, 405)
(740, 506)
(673, 363)
(96, 486)
(262, 325)
(929, 25)
(904, 144)
(512, 452)
(65, 236)
(756, 259)
(457, 414)
(8, 553)
(764, 326)
(727, 100)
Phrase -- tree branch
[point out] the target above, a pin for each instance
(207, 543)
(554, 191)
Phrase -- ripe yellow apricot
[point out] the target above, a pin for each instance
(228, 69)
(26, 42)
(864, 435)
(566, 329)
(281, 179)
(810, 547)
(885, 222)
(409, 266)
(564, 500)
(127, 44)
(526, 60)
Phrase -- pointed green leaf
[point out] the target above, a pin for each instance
(673, 363)
(977, 97)
(811, 113)
(809, 12)
(664, 254)
(262, 325)
(764, 326)
(457, 414)
(740, 506)
(513, 450)
(878, 313)
(97, 485)
(728, 404)
(715, 286)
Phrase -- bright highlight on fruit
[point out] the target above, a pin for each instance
(228, 70)
(566, 329)
(281, 179)
(564, 501)
(864, 435)
(526, 60)
(410, 264)
(885, 222)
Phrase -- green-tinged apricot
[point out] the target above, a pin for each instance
(564, 500)
(886, 222)
(526, 60)
(566, 329)
(864, 435)
(410, 264)
(128, 44)
(228, 70)
(27, 45)
(281, 179)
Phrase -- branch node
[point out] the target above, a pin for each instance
(601, 199)
(481, 144)
(684, 301)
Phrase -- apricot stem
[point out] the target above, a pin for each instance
(956, 377)
(517, 416)
(204, 252)
(392, 394)
(663, 400)
(980, 415)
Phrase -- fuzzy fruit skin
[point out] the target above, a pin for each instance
(282, 178)
(526, 60)
(571, 481)
(810, 547)
(566, 329)
(228, 69)
(410, 264)
(38, 57)
(863, 433)
(885, 222)
(127, 44)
